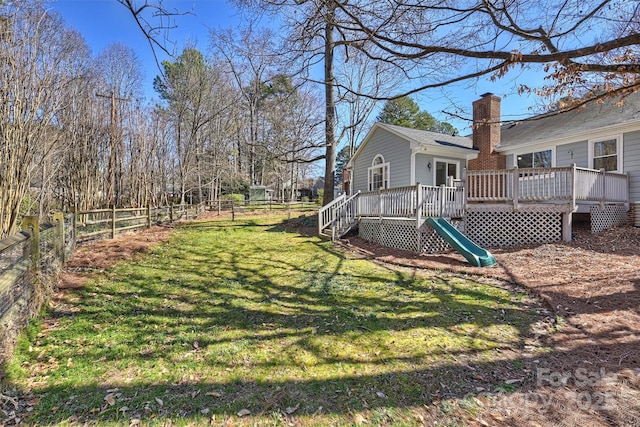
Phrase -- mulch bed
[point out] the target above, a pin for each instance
(592, 284)
(101, 254)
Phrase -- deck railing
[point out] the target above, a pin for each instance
(345, 214)
(326, 213)
(564, 184)
(418, 200)
(392, 202)
(447, 202)
(600, 186)
(569, 185)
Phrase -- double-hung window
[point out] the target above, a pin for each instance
(606, 154)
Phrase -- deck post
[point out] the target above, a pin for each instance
(516, 188)
(574, 186)
(442, 196)
(603, 178)
(418, 204)
(465, 189)
(567, 222)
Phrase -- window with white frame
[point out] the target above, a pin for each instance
(445, 169)
(538, 159)
(606, 154)
(378, 174)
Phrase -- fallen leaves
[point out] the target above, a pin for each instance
(110, 399)
(291, 409)
(243, 412)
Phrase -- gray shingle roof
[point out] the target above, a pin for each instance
(428, 137)
(593, 116)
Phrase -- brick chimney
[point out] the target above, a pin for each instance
(486, 133)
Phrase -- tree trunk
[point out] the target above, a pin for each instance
(330, 105)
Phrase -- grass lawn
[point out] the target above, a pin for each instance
(245, 323)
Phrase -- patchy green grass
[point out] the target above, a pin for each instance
(237, 317)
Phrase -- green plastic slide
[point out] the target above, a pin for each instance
(473, 253)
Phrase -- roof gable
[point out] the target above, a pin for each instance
(417, 137)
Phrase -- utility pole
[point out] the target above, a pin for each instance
(112, 142)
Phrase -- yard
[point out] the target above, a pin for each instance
(254, 322)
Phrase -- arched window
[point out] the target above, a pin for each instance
(378, 174)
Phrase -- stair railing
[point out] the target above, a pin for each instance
(344, 216)
(325, 213)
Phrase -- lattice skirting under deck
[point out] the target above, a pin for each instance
(496, 228)
(610, 216)
(402, 234)
(390, 232)
(431, 242)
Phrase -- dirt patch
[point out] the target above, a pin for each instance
(592, 284)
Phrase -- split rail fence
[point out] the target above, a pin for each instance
(31, 258)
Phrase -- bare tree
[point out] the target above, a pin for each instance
(121, 73)
(364, 77)
(251, 60)
(35, 64)
(587, 49)
(79, 183)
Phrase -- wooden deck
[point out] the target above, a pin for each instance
(565, 190)
(569, 185)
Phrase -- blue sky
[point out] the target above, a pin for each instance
(102, 22)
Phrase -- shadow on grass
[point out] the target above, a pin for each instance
(219, 321)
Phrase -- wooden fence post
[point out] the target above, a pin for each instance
(113, 221)
(74, 212)
(148, 216)
(31, 225)
(58, 235)
(171, 213)
(219, 206)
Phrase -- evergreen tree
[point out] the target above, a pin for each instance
(405, 112)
